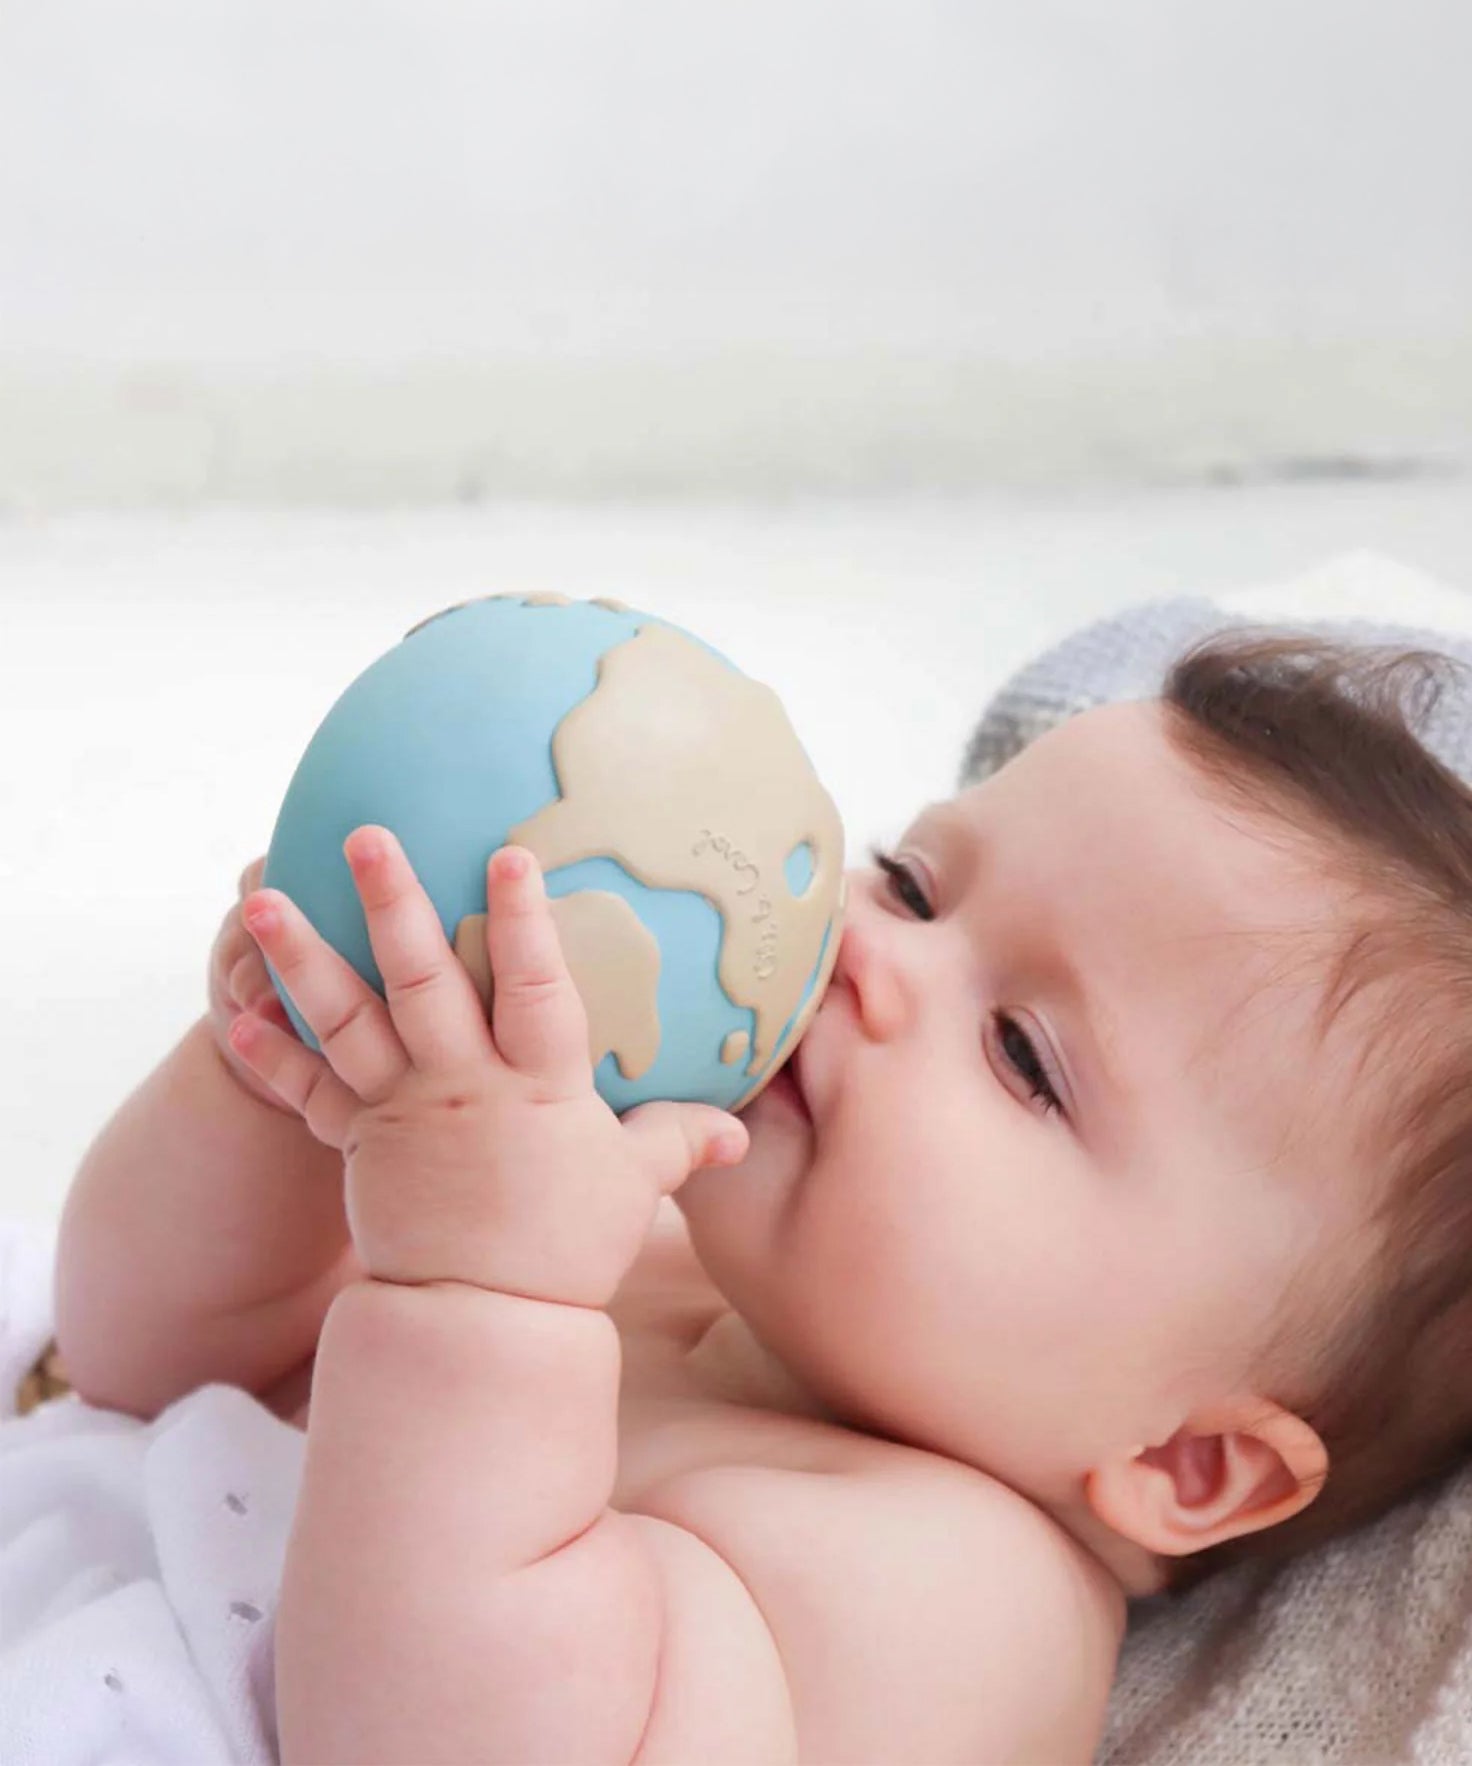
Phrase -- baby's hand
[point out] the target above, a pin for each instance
(237, 982)
(474, 1152)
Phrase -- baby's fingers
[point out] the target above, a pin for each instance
(302, 1080)
(348, 1019)
(431, 999)
(249, 987)
(537, 1014)
(237, 969)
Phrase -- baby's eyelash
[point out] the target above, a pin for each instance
(1010, 1034)
(902, 882)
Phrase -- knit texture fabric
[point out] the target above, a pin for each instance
(1128, 656)
(1362, 1650)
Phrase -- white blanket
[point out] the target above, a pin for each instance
(139, 1563)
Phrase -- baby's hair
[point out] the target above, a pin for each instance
(1321, 737)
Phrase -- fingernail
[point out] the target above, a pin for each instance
(511, 863)
(262, 918)
(363, 850)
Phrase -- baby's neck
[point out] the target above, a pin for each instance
(1137, 1572)
(730, 1363)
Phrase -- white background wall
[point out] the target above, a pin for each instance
(363, 250)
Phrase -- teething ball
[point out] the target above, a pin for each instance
(693, 861)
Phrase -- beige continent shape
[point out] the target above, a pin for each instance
(702, 784)
(715, 803)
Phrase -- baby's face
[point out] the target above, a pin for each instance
(943, 1256)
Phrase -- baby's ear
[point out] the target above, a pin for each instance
(1235, 1468)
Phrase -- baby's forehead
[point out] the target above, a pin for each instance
(1204, 925)
(1215, 1013)
(1126, 746)
(1110, 795)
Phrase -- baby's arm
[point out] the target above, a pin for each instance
(204, 1234)
(457, 1585)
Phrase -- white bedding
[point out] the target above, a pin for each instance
(139, 1563)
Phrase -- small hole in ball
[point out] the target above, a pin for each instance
(798, 868)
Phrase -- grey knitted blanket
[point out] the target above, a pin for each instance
(1127, 656)
(1359, 1652)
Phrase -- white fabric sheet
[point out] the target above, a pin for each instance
(139, 1563)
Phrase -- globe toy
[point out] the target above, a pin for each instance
(693, 861)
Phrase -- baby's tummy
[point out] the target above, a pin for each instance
(139, 1568)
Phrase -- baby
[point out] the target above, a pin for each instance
(1115, 1229)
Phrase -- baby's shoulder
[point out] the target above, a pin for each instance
(881, 1603)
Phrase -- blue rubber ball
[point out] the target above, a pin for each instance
(693, 860)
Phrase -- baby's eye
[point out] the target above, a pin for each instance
(902, 883)
(1014, 1045)
(1018, 1052)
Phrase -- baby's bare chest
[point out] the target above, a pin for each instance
(674, 1416)
(669, 1424)
(673, 1421)
(677, 1415)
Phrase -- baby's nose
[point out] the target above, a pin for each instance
(862, 970)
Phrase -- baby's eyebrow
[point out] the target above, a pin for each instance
(1108, 1093)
